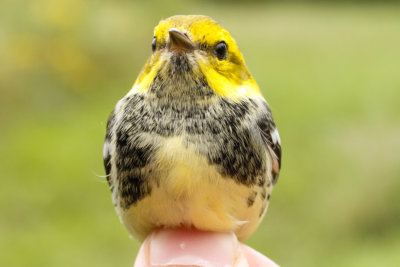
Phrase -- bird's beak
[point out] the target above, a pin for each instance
(178, 41)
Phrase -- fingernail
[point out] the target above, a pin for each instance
(192, 248)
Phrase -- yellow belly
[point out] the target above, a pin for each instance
(189, 192)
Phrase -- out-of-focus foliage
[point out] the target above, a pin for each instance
(330, 73)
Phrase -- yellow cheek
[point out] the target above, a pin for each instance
(219, 83)
(148, 74)
(224, 82)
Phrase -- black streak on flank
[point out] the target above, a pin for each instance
(263, 193)
(133, 188)
(239, 158)
(261, 181)
(131, 152)
(251, 199)
(237, 155)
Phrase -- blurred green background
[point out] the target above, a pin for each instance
(330, 71)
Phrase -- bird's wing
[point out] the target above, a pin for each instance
(271, 139)
(107, 148)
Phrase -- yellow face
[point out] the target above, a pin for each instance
(215, 55)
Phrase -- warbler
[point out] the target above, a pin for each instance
(193, 143)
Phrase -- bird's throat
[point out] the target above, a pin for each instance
(180, 78)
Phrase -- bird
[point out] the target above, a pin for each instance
(193, 144)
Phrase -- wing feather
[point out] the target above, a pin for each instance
(107, 148)
(271, 139)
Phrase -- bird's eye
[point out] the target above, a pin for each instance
(154, 44)
(220, 50)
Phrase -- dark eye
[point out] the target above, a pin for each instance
(154, 44)
(220, 50)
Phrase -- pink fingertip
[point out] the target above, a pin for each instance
(143, 255)
(192, 248)
(256, 259)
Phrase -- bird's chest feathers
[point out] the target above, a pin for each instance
(194, 163)
(187, 190)
(183, 171)
(194, 135)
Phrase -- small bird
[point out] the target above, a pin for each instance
(193, 144)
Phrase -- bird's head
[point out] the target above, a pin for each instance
(187, 48)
